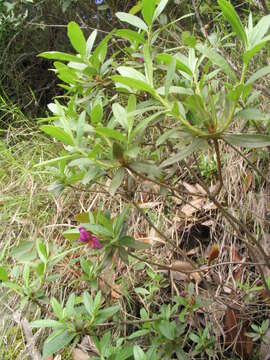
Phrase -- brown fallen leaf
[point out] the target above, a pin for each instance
(247, 181)
(191, 188)
(193, 206)
(193, 251)
(116, 291)
(78, 354)
(214, 253)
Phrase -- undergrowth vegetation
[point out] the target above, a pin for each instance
(140, 231)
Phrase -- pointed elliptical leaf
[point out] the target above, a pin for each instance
(132, 20)
(58, 133)
(57, 55)
(76, 38)
(258, 74)
(161, 6)
(231, 15)
(248, 140)
(148, 9)
(216, 59)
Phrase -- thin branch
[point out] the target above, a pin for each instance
(216, 146)
(198, 17)
(248, 161)
(240, 226)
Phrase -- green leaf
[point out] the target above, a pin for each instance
(57, 160)
(231, 15)
(96, 114)
(188, 39)
(76, 38)
(90, 42)
(175, 90)
(145, 167)
(97, 302)
(216, 59)
(46, 323)
(15, 287)
(248, 55)
(135, 84)
(248, 140)
(136, 8)
(258, 74)
(138, 353)
(167, 59)
(116, 181)
(88, 303)
(148, 64)
(131, 73)
(131, 35)
(161, 6)
(259, 30)
(251, 114)
(169, 134)
(118, 152)
(131, 243)
(169, 76)
(132, 20)
(73, 234)
(99, 229)
(120, 115)
(196, 145)
(138, 333)
(58, 133)
(57, 308)
(56, 55)
(57, 342)
(123, 354)
(132, 152)
(123, 254)
(26, 275)
(110, 133)
(42, 251)
(148, 9)
(167, 329)
(145, 122)
(106, 313)
(24, 252)
(195, 338)
(3, 274)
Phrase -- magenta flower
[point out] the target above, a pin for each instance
(141, 59)
(89, 238)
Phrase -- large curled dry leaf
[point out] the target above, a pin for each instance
(214, 253)
(235, 330)
(183, 272)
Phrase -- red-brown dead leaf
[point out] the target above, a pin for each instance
(237, 274)
(247, 182)
(116, 291)
(214, 253)
(235, 331)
